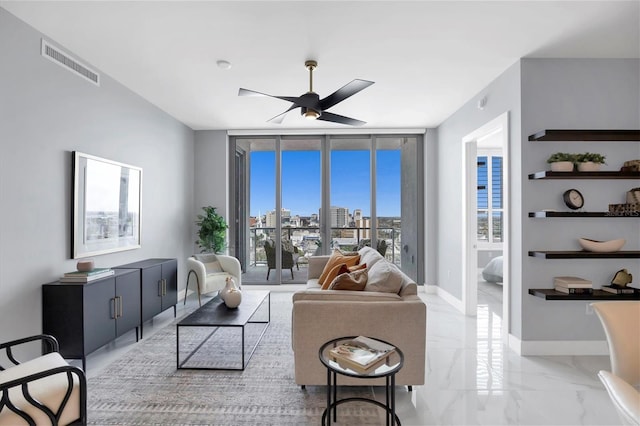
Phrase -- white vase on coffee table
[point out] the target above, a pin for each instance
(230, 294)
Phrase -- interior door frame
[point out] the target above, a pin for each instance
(470, 253)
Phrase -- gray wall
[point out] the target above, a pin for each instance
(45, 113)
(503, 94)
(211, 173)
(546, 94)
(575, 94)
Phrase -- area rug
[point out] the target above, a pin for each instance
(144, 387)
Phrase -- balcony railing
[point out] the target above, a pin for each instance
(307, 241)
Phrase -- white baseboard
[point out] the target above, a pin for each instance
(447, 297)
(558, 347)
(430, 289)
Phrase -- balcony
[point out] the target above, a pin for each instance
(306, 242)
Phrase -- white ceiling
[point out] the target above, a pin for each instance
(426, 57)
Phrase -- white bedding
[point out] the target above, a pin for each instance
(493, 271)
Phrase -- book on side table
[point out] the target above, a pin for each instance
(361, 354)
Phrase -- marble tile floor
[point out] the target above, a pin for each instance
(472, 378)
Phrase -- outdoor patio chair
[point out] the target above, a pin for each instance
(288, 257)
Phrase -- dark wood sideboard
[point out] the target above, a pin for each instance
(84, 317)
(158, 286)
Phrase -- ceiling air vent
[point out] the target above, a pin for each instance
(54, 54)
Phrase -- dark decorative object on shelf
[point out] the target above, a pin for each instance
(573, 199)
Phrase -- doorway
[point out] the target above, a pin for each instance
(486, 218)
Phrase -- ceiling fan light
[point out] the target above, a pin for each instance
(311, 114)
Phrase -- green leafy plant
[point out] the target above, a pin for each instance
(561, 156)
(590, 156)
(212, 232)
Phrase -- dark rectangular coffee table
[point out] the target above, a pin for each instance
(216, 316)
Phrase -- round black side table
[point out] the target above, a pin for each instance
(387, 370)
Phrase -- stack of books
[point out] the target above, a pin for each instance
(85, 277)
(361, 354)
(572, 285)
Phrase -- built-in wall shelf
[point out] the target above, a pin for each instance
(581, 254)
(586, 136)
(548, 174)
(544, 214)
(549, 294)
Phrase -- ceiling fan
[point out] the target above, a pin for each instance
(314, 108)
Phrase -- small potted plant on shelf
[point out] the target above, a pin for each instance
(589, 162)
(561, 162)
(213, 231)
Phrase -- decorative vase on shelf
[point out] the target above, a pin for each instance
(588, 166)
(230, 294)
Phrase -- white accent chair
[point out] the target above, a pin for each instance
(211, 272)
(621, 322)
(45, 390)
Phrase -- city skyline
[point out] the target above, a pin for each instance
(350, 182)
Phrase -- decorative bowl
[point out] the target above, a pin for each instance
(85, 265)
(601, 246)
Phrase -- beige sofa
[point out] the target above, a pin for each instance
(321, 315)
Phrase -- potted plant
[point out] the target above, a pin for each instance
(213, 231)
(589, 162)
(561, 162)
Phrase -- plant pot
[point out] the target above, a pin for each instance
(562, 166)
(588, 166)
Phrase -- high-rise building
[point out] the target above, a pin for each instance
(339, 217)
(285, 215)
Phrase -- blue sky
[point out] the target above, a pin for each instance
(350, 181)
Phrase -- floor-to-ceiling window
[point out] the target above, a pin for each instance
(350, 192)
(388, 197)
(307, 195)
(301, 200)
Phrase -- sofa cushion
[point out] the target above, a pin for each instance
(345, 295)
(369, 256)
(355, 281)
(336, 259)
(340, 268)
(49, 390)
(213, 267)
(384, 277)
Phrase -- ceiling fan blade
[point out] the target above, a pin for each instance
(278, 118)
(247, 92)
(344, 92)
(335, 118)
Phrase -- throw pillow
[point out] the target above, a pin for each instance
(336, 259)
(213, 267)
(357, 267)
(384, 278)
(205, 257)
(337, 270)
(355, 281)
(369, 256)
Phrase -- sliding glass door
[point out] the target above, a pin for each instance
(307, 195)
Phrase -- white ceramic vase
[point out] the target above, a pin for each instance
(588, 166)
(230, 294)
